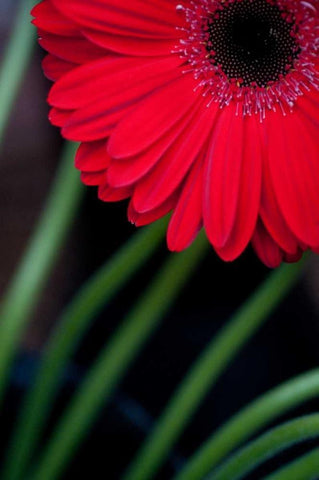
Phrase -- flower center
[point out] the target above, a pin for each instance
(260, 54)
(251, 41)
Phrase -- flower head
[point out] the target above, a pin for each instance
(206, 108)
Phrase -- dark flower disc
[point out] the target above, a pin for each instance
(257, 53)
(252, 41)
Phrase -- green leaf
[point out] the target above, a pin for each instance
(113, 362)
(38, 260)
(267, 446)
(248, 421)
(207, 369)
(15, 62)
(67, 334)
(304, 468)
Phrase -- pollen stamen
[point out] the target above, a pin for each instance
(258, 53)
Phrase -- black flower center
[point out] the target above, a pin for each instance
(253, 42)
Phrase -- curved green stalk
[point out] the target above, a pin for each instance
(267, 446)
(249, 421)
(38, 260)
(304, 468)
(15, 61)
(207, 369)
(115, 359)
(74, 322)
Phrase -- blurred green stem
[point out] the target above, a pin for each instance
(30, 279)
(304, 468)
(267, 446)
(207, 369)
(74, 322)
(16, 59)
(113, 362)
(248, 421)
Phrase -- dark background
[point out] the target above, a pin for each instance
(285, 346)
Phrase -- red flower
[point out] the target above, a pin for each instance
(208, 108)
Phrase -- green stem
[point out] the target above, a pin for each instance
(15, 61)
(207, 369)
(267, 446)
(304, 468)
(39, 258)
(248, 421)
(74, 322)
(116, 358)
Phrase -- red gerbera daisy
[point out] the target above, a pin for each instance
(208, 108)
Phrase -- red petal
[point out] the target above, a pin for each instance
(127, 171)
(59, 117)
(97, 120)
(93, 178)
(49, 19)
(186, 220)
(92, 123)
(54, 68)
(109, 194)
(292, 258)
(71, 49)
(140, 219)
(269, 209)
(308, 104)
(294, 167)
(267, 250)
(153, 117)
(249, 194)
(223, 174)
(144, 17)
(111, 77)
(140, 47)
(92, 157)
(167, 174)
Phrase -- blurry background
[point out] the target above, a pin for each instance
(285, 346)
